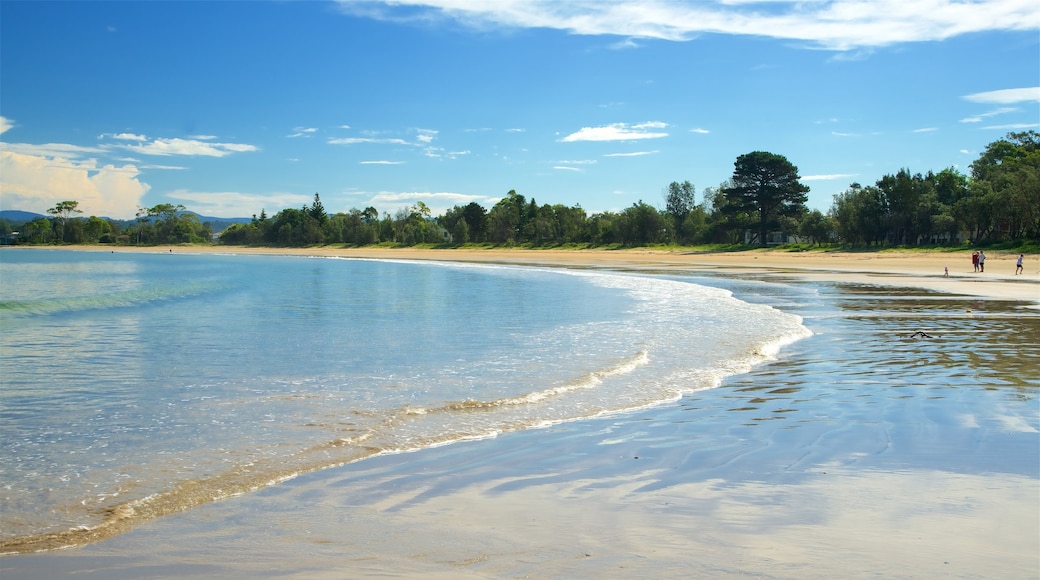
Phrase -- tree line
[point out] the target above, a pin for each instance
(763, 202)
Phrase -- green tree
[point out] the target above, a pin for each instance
(861, 215)
(317, 210)
(679, 202)
(816, 226)
(95, 228)
(766, 187)
(1005, 188)
(62, 212)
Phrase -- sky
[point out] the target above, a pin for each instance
(230, 108)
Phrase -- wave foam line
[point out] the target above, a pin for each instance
(588, 381)
(122, 517)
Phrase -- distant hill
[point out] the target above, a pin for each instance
(218, 224)
(19, 216)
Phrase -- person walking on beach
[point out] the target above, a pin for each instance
(1018, 266)
(982, 261)
(975, 261)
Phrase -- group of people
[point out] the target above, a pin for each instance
(978, 261)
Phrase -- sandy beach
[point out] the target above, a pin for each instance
(860, 452)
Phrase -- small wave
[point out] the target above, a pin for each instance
(587, 381)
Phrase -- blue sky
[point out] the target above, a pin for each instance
(233, 107)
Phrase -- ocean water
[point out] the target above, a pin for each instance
(134, 386)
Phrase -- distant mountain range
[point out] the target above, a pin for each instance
(218, 224)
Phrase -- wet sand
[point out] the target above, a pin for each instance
(862, 451)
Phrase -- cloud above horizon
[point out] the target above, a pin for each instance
(197, 145)
(839, 25)
(1006, 96)
(618, 132)
(37, 182)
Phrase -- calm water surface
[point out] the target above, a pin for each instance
(138, 385)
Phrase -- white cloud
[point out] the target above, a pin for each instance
(632, 154)
(381, 162)
(835, 25)
(302, 132)
(578, 162)
(229, 204)
(827, 177)
(190, 147)
(425, 135)
(64, 150)
(128, 137)
(699, 130)
(358, 140)
(35, 182)
(440, 153)
(565, 168)
(5, 124)
(1006, 96)
(926, 130)
(617, 132)
(1013, 126)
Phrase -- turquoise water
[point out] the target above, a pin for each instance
(138, 385)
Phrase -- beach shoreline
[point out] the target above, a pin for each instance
(949, 273)
(861, 450)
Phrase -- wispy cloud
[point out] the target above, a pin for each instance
(5, 124)
(1006, 96)
(197, 145)
(618, 132)
(700, 131)
(631, 154)
(62, 150)
(302, 132)
(381, 162)
(998, 111)
(926, 130)
(129, 137)
(358, 140)
(425, 135)
(1013, 126)
(565, 168)
(836, 24)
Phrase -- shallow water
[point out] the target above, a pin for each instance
(864, 449)
(137, 385)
